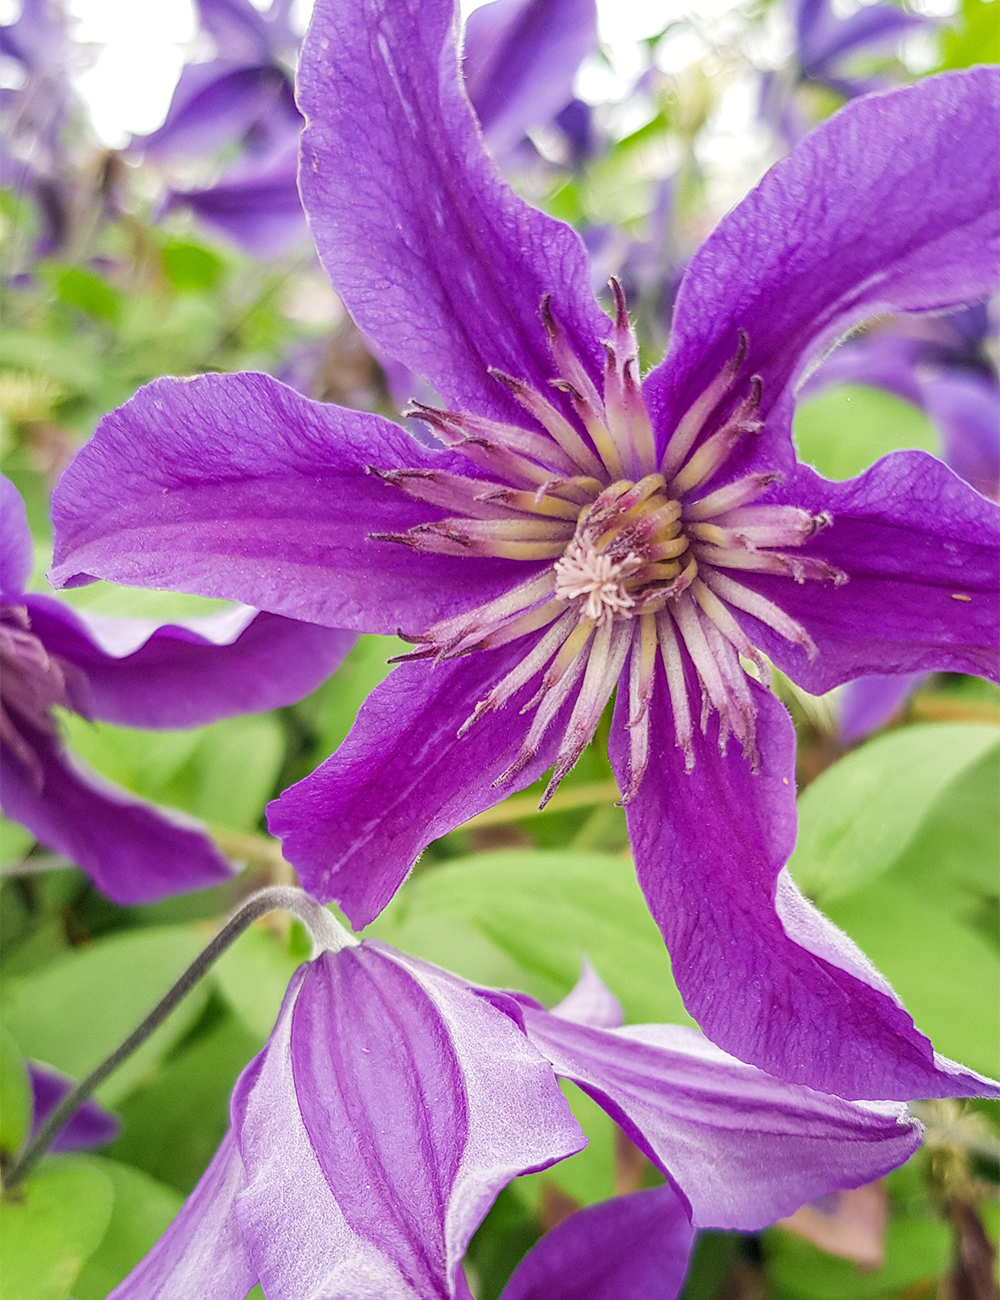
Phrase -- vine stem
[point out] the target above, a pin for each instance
(326, 933)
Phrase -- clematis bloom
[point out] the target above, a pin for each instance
(581, 533)
(131, 672)
(393, 1101)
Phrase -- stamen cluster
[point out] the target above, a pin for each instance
(641, 553)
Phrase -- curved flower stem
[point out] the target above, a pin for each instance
(325, 932)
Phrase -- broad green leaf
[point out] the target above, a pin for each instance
(335, 705)
(50, 1225)
(252, 976)
(15, 841)
(526, 919)
(142, 761)
(142, 1211)
(231, 774)
(847, 428)
(916, 1250)
(76, 1010)
(89, 292)
(976, 38)
(189, 266)
(15, 1095)
(946, 974)
(862, 814)
(172, 1124)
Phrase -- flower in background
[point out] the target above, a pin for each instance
(943, 365)
(582, 533)
(393, 1101)
(825, 45)
(91, 1125)
(131, 672)
(520, 60)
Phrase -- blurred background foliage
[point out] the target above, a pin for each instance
(110, 280)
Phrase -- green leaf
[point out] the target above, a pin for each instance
(15, 841)
(946, 974)
(861, 815)
(142, 761)
(76, 1010)
(976, 39)
(589, 1176)
(89, 292)
(143, 1210)
(526, 919)
(252, 976)
(847, 428)
(916, 1250)
(231, 773)
(15, 1096)
(335, 705)
(188, 266)
(172, 1124)
(49, 1225)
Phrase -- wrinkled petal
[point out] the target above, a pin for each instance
(355, 826)
(520, 61)
(17, 548)
(236, 486)
(742, 1148)
(388, 1110)
(141, 674)
(201, 1254)
(764, 975)
(633, 1247)
(133, 852)
(435, 256)
(922, 555)
(868, 703)
(966, 410)
(91, 1125)
(876, 210)
(590, 1002)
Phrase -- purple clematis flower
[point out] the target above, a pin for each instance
(582, 532)
(942, 365)
(131, 672)
(393, 1102)
(91, 1126)
(824, 44)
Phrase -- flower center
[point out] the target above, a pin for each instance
(31, 682)
(631, 551)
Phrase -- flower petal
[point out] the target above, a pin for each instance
(133, 852)
(91, 1125)
(355, 826)
(140, 674)
(764, 975)
(632, 1247)
(868, 703)
(966, 409)
(742, 1148)
(389, 1108)
(889, 205)
(590, 1002)
(922, 553)
(437, 259)
(260, 212)
(17, 548)
(236, 486)
(520, 61)
(201, 1253)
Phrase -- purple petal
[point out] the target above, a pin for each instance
(236, 486)
(17, 548)
(742, 1148)
(881, 361)
(435, 256)
(389, 1108)
(91, 1125)
(241, 31)
(520, 61)
(355, 827)
(590, 1002)
(766, 977)
(262, 214)
(201, 1253)
(868, 703)
(140, 674)
(966, 410)
(922, 555)
(133, 852)
(630, 1248)
(889, 205)
(830, 38)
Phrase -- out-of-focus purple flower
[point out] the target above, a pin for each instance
(941, 364)
(580, 532)
(138, 674)
(91, 1125)
(824, 46)
(393, 1101)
